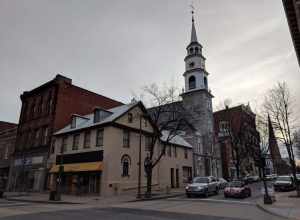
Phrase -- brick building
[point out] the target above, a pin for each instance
(45, 110)
(8, 133)
(235, 132)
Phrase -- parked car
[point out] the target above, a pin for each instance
(222, 183)
(251, 179)
(284, 183)
(202, 186)
(237, 189)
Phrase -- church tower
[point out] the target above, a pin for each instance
(197, 100)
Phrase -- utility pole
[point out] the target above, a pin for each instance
(140, 160)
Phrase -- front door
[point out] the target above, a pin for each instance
(172, 178)
(177, 178)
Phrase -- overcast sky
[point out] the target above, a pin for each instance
(116, 47)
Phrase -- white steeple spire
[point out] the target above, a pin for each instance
(194, 34)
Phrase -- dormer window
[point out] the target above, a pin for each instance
(100, 114)
(96, 115)
(73, 122)
(130, 117)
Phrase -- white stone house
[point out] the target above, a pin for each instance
(100, 153)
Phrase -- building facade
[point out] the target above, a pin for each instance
(292, 11)
(235, 131)
(8, 132)
(99, 154)
(45, 110)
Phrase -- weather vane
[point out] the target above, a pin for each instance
(192, 10)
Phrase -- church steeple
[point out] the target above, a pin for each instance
(195, 73)
(194, 34)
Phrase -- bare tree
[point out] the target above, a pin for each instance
(278, 103)
(167, 114)
(297, 142)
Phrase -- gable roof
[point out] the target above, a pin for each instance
(116, 112)
(177, 139)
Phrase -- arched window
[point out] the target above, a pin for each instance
(196, 50)
(192, 82)
(191, 50)
(205, 82)
(125, 162)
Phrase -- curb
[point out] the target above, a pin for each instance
(273, 213)
(157, 198)
(43, 202)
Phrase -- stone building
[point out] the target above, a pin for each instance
(99, 153)
(196, 105)
(235, 130)
(8, 133)
(45, 110)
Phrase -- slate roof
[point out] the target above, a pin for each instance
(87, 121)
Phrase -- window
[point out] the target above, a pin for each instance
(175, 151)
(64, 144)
(39, 107)
(125, 162)
(49, 104)
(130, 117)
(126, 138)
(96, 115)
(53, 147)
(99, 138)
(224, 127)
(205, 82)
(191, 50)
(169, 151)
(45, 136)
(87, 139)
(148, 143)
(73, 122)
(192, 82)
(32, 110)
(192, 64)
(145, 123)
(186, 155)
(75, 142)
(37, 137)
(196, 50)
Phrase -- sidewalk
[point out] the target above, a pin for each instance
(285, 206)
(87, 199)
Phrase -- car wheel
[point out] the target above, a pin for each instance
(206, 194)
(225, 195)
(249, 193)
(217, 191)
(189, 195)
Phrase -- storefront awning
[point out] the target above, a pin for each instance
(78, 167)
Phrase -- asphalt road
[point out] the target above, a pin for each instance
(112, 214)
(214, 207)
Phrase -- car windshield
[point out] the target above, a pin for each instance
(235, 184)
(200, 180)
(284, 178)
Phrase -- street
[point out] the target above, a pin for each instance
(213, 207)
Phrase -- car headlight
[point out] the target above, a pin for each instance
(200, 187)
(187, 187)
